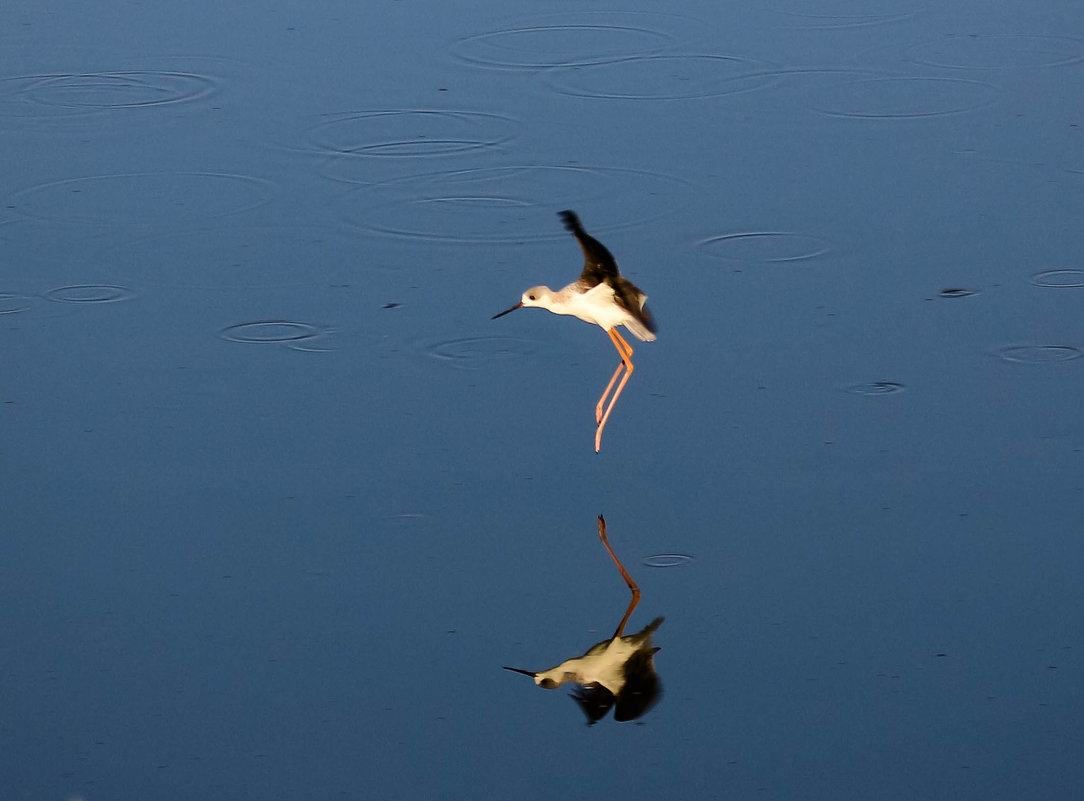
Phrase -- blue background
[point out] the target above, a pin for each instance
(279, 499)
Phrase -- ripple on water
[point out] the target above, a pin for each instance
(663, 77)
(804, 21)
(14, 303)
(575, 37)
(406, 522)
(80, 93)
(501, 204)
(767, 246)
(875, 388)
(957, 292)
(473, 353)
(666, 560)
(142, 197)
(237, 257)
(89, 293)
(898, 97)
(291, 333)
(410, 133)
(998, 51)
(1059, 279)
(1039, 354)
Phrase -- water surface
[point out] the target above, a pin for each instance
(281, 499)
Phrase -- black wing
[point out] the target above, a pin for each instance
(595, 701)
(642, 688)
(598, 263)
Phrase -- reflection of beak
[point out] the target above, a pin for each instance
(517, 670)
(494, 317)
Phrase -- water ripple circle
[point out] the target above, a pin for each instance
(957, 292)
(407, 521)
(575, 37)
(767, 246)
(235, 257)
(14, 303)
(998, 51)
(500, 204)
(89, 293)
(875, 388)
(805, 21)
(1059, 279)
(666, 560)
(410, 133)
(143, 197)
(906, 97)
(270, 331)
(1039, 354)
(473, 353)
(662, 77)
(128, 89)
(72, 94)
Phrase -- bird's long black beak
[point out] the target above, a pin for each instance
(518, 670)
(495, 316)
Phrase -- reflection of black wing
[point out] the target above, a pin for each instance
(598, 264)
(595, 701)
(642, 686)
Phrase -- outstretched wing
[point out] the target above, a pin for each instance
(598, 263)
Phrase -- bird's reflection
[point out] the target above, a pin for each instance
(617, 673)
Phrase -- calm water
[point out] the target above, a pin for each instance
(280, 500)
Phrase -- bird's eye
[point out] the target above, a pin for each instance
(531, 297)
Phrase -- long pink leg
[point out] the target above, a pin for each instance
(624, 574)
(625, 350)
(606, 392)
(617, 372)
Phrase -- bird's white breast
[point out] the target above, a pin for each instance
(597, 306)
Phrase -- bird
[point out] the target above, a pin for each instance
(602, 297)
(619, 670)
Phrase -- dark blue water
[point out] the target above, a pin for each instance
(280, 500)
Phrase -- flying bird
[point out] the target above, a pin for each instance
(603, 297)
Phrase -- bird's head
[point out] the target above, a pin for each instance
(535, 296)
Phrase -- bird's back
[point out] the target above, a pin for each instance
(599, 266)
(640, 320)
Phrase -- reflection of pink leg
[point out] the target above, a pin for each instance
(625, 350)
(624, 574)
